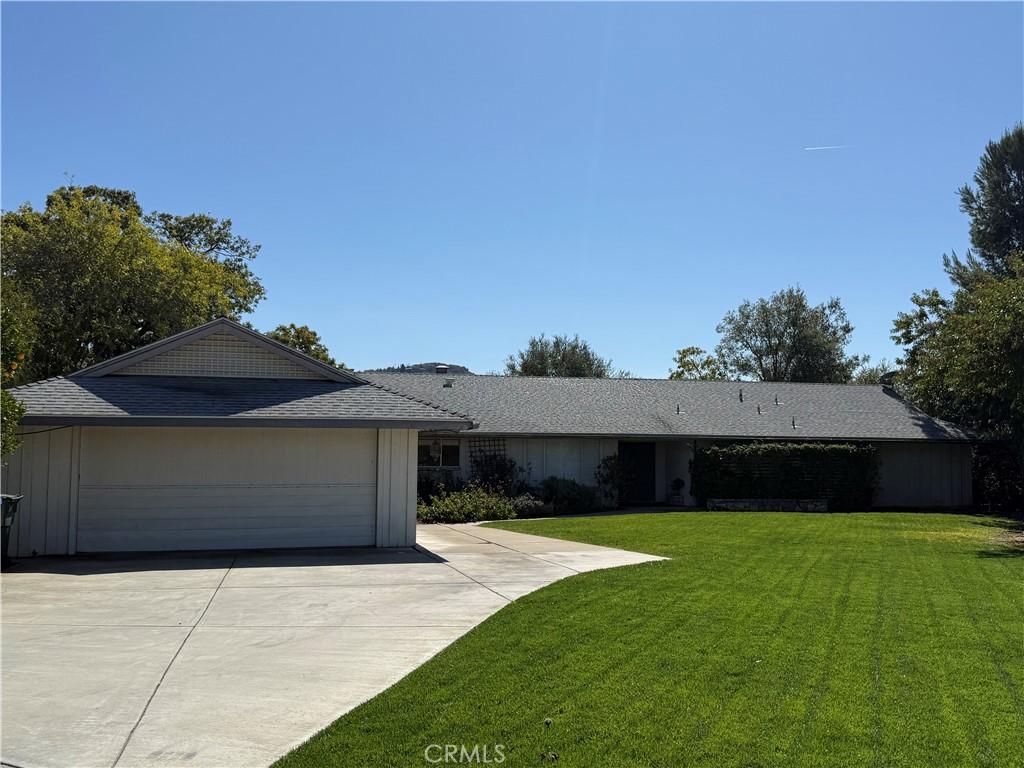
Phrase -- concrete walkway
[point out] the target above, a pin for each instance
(232, 660)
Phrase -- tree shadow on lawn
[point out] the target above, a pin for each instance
(1006, 541)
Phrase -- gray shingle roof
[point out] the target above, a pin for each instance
(238, 401)
(562, 406)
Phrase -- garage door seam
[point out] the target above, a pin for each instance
(171, 663)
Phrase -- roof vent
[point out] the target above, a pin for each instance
(441, 368)
(448, 383)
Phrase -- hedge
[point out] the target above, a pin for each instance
(843, 474)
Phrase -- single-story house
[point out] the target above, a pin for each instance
(220, 437)
(565, 426)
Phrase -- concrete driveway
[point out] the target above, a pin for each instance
(232, 660)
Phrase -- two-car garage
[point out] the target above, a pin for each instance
(110, 489)
(216, 438)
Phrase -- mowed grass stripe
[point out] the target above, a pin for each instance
(883, 639)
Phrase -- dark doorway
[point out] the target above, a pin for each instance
(639, 457)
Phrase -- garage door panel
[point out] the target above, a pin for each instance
(179, 488)
(196, 501)
(224, 538)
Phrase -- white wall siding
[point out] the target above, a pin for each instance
(924, 475)
(44, 470)
(574, 458)
(396, 487)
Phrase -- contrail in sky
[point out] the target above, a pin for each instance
(819, 149)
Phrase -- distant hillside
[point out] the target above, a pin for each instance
(422, 368)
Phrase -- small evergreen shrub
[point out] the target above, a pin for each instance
(843, 474)
(470, 505)
(567, 497)
(615, 478)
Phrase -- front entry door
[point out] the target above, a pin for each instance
(639, 457)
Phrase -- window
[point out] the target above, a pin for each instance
(439, 453)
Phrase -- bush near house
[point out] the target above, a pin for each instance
(615, 478)
(567, 497)
(845, 475)
(470, 505)
(499, 473)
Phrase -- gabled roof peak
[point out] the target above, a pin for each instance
(222, 325)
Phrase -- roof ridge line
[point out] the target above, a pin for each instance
(618, 378)
(421, 401)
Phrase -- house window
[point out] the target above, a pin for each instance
(442, 454)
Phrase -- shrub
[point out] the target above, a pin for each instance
(498, 473)
(470, 505)
(434, 482)
(998, 474)
(567, 497)
(528, 505)
(845, 475)
(615, 479)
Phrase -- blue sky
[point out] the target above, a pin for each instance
(442, 181)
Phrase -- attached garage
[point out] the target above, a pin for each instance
(181, 488)
(216, 440)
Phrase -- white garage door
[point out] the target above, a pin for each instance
(210, 488)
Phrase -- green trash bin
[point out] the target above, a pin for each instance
(10, 509)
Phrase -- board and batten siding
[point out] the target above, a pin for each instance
(139, 488)
(574, 458)
(396, 487)
(924, 475)
(45, 471)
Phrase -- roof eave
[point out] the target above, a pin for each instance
(41, 420)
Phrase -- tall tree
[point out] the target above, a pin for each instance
(784, 338)
(964, 354)
(560, 356)
(996, 204)
(305, 340)
(696, 364)
(98, 280)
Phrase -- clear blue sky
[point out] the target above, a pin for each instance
(442, 181)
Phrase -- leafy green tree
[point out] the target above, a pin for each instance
(871, 374)
(98, 280)
(784, 338)
(213, 239)
(305, 340)
(17, 335)
(964, 354)
(10, 413)
(560, 356)
(695, 363)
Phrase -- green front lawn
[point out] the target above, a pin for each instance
(768, 640)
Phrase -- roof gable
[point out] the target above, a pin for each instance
(220, 348)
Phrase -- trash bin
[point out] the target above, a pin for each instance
(10, 509)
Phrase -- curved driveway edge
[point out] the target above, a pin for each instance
(232, 660)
